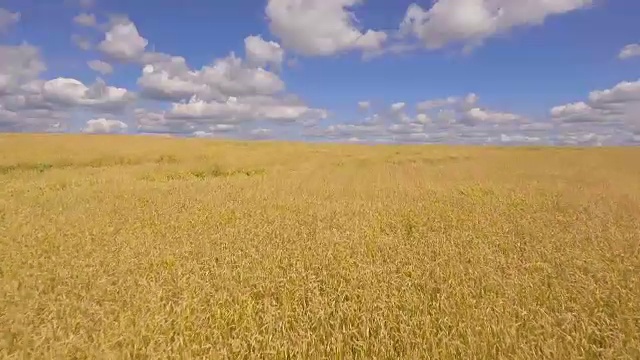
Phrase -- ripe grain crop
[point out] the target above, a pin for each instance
(137, 247)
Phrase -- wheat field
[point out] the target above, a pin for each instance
(122, 247)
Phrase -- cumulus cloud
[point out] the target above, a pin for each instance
(123, 42)
(423, 119)
(262, 53)
(629, 51)
(457, 119)
(85, 19)
(102, 67)
(236, 110)
(71, 92)
(171, 79)
(621, 103)
(471, 22)
(436, 103)
(478, 115)
(624, 92)
(105, 126)
(19, 65)
(408, 128)
(348, 130)
(22, 106)
(320, 27)
(196, 113)
(32, 120)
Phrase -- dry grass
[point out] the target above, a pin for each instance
(132, 247)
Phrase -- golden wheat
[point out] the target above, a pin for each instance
(132, 247)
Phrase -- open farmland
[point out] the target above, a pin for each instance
(139, 247)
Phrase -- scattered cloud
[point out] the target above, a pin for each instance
(398, 107)
(320, 27)
(455, 118)
(262, 53)
(171, 79)
(123, 42)
(245, 95)
(237, 110)
(629, 51)
(86, 19)
(471, 22)
(477, 115)
(364, 105)
(19, 65)
(197, 114)
(624, 92)
(100, 66)
(22, 105)
(72, 92)
(105, 126)
(619, 104)
(436, 103)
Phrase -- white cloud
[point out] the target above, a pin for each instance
(237, 110)
(85, 19)
(582, 139)
(105, 126)
(221, 116)
(29, 112)
(437, 103)
(364, 105)
(349, 130)
(471, 22)
(455, 118)
(618, 104)
(518, 139)
(469, 101)
(225, 112)
(7, 19)
(71, 92)
(202, 134)
(261, 133)
(320, 27)
(478, 115)
(102, 67)
(423, 119)
(19, 65)
(231, 76)
(406, 128)
(398, 107)
(161, 84)
(154, 122)
(123, 42)
(262, 53)
(629, 51)
(623, 92)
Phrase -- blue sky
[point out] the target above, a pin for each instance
(445, 71)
